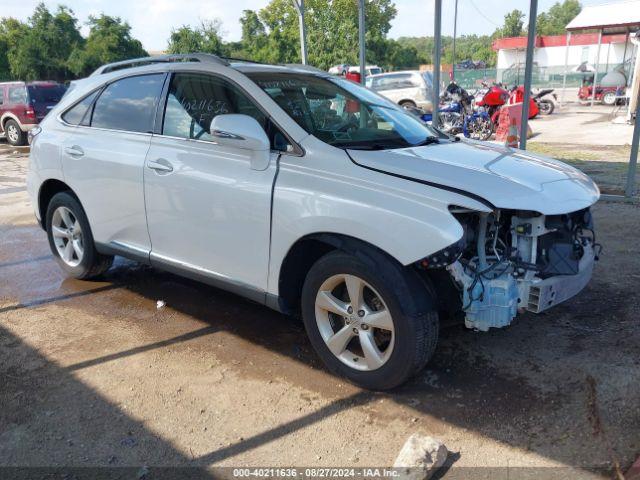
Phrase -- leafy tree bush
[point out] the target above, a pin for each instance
(49, 44)
(206, 39)
(109, 41)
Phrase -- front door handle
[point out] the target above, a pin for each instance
(74, 151)
(160, 166)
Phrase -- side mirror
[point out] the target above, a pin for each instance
(245, 133)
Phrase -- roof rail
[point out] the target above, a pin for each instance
(301, 66)
(169, 58)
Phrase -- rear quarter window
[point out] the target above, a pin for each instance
(79, 112)
(49, 94)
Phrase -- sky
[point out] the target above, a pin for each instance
(152, 20)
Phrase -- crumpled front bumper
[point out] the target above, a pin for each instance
(541, 295)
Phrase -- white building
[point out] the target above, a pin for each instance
(597, 36)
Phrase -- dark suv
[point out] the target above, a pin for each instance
(23, 105)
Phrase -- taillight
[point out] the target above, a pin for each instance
(32, 134)
(30, 113)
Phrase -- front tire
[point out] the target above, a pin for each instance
(71, 240)
(408, 104)
(15, 135)
(480, 128)
(371, 322)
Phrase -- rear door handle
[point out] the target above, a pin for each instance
(74, 151)
(160, 166)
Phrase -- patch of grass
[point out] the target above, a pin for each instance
(606, 165)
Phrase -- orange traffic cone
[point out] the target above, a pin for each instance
(512, 137)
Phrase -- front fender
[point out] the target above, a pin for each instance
(405, 219)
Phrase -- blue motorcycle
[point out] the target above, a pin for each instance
(457, 115)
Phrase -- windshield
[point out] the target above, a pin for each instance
(46, 94)
(342, 113)
(428, 77)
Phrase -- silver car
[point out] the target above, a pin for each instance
(409, 89)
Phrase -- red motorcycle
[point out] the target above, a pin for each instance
(491, 98)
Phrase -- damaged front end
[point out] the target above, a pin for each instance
(510, 261)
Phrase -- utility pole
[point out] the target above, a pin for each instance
(455, 30)
(437, 34)
(594, 86)
(528, 67)
(361, 27)
(299, 5)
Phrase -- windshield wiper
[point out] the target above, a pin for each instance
(373, 146)
(427, 141)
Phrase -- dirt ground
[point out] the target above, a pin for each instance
(94, 374)
(581, 124)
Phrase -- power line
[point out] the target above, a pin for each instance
(482, 14)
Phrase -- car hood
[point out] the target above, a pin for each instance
(504, 177)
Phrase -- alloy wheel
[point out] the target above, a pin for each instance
(354, 322)
(13, 134)
(67, 236)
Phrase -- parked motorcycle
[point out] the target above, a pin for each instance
(491, 98)
(457, 115)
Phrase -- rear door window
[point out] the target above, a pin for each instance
(129, 104)
(17, 95)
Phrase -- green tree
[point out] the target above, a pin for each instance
(556, 19)
(399, 56)
(272, 34)
(513, 24)
(206, 38)
(473, 47)
(109, 41)
(43, 48)
(12, 32)
(254, 36)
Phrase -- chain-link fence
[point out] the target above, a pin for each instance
(542, 77)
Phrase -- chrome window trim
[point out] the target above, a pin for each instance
(100, 90)
(298, 151)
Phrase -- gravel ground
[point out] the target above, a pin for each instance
(94, 374)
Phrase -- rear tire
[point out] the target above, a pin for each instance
(609, 98)
(546, 107)
(395, 313)
(15, 135)
(71, 240)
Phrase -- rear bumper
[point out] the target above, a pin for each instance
(544, 294)
(25, 127)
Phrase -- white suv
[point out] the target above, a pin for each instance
(410, 89)
(310, 194)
